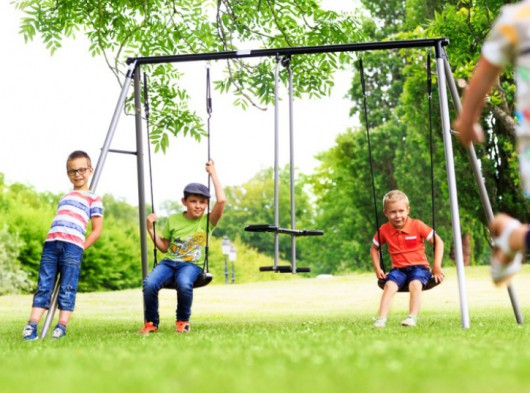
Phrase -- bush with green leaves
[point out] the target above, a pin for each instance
(12, 278)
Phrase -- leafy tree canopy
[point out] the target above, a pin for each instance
(118, 29)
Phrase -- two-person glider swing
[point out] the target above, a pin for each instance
(275, 228)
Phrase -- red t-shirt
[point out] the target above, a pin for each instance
(405, 246)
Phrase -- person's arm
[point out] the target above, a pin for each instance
(97, 228)
(374, 253)
(438, 256)
(161, 243)
(220, 197)
(484, 77)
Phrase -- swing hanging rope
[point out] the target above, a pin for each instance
(432, 282)
(205, 277)
(209, 112)
(146, 112)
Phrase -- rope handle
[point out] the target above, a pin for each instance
(146, 111)
(370, 159)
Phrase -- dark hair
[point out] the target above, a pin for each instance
(79, 154)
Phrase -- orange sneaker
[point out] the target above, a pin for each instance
(183, 326)
(148, 328)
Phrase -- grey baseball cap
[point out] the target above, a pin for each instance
(197, 189)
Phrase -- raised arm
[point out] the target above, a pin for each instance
(220, 197)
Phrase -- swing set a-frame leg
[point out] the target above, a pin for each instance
(51, 311)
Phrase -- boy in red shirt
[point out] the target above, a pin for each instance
(404, 237)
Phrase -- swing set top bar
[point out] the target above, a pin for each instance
(244, 53)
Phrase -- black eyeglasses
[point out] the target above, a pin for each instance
(73, 172)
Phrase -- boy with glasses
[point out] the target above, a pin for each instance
(64, 246)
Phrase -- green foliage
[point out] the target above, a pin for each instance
(12, 278)
(121, 29)
(467, 24)
(253, 203)
(28, 215)
(112, 263)
(246, 266)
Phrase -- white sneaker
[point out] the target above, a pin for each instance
(500, 273)
(380, 322)
(410, 321)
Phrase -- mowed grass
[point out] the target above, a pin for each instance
(303, 335)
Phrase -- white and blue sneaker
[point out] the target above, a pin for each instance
(59, 332)
(30, 332)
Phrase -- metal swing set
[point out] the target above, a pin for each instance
(284, 55)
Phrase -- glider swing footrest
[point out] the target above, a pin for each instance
(284, 269)
(275, 229)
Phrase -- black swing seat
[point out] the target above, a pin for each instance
(430, 284)
(284, 269)
(276, 229)
(201, 281)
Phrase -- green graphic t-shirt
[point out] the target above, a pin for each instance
(187, 238)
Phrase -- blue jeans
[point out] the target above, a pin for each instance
(182, 275)
(403, 276)
(61, 258)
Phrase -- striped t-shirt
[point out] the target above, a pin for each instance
(75, 210)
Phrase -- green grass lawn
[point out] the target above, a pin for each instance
(306, 335)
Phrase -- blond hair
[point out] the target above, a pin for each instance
(393, 197)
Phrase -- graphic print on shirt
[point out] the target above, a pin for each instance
(189, 249)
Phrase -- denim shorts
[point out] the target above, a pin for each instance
(61, 258)
(405, 275)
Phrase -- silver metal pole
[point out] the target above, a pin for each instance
(51, 311)
(479, 179)
(451, 179)
(112, 128)
(276, 159)
(291, 167)
(140, 170)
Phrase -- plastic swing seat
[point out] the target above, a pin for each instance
(430, 284)
(202, 280)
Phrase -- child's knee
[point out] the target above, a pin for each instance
(415, 285)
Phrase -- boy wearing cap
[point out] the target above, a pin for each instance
(183, 240)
